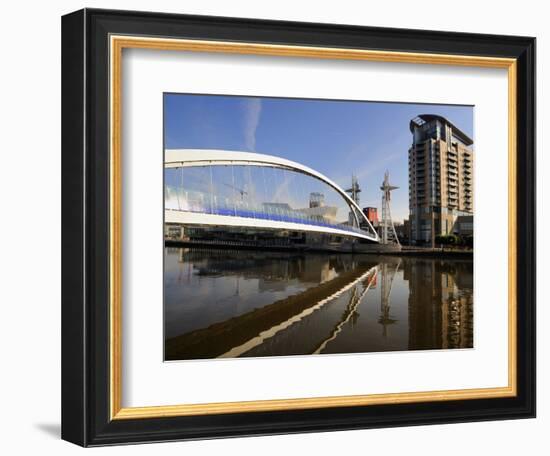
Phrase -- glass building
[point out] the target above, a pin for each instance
(216, 188)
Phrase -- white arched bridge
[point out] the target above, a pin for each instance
(242, 189)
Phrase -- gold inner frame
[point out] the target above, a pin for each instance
(117, 44)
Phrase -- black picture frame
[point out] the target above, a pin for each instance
(86, 417)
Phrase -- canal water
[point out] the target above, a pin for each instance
(238, 303)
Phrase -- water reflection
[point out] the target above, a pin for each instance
(229, 303)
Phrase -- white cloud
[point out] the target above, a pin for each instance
(252, 113)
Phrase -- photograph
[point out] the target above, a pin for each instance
(297, 226)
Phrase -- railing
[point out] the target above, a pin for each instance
(281, 218)
(196, 202)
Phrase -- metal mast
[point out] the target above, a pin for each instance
(354, 190)
(387, 234)
(385, 291)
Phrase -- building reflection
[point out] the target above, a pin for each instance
(271, 268)
(440, 303)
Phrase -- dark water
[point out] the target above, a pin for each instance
(229, 303)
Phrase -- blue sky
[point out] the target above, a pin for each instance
(337, 138)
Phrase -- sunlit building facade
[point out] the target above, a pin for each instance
(224, 196)
(372, 214)
(441, 183)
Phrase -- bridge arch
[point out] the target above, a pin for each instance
(234, 188)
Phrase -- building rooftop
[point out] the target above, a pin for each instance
(424, 118)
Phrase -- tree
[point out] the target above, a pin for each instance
(440, 239)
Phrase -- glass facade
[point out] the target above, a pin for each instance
(260, 192)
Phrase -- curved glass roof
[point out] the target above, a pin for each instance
(261, 191)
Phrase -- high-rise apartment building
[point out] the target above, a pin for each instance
(441, 183)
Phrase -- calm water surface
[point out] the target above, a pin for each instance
(230, 303)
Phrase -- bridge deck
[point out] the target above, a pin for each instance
(255, 219)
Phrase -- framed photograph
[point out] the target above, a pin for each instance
(278, 227)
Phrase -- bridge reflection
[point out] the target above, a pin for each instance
(226, 303)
